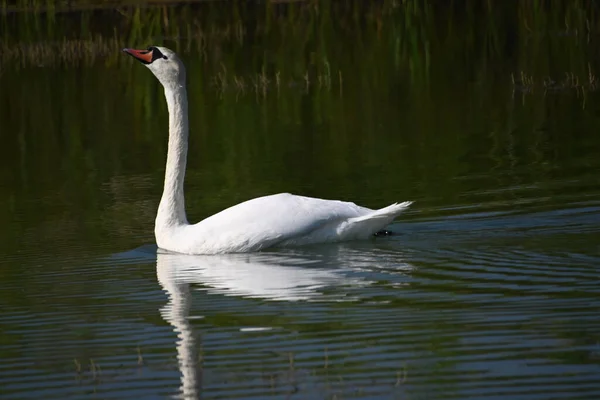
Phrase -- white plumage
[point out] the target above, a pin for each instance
(281, 220)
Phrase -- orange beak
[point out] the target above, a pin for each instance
(145, 56)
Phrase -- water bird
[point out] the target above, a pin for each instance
(278, 220)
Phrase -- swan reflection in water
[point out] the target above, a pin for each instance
(272, 276)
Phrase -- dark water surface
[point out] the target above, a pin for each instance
(490, 289)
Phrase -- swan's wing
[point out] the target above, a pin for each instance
(284, 213)
(264, 221)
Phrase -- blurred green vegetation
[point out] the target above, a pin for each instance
(252, 45)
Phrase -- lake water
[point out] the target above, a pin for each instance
(489, 290)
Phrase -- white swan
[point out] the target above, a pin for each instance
(276, 220)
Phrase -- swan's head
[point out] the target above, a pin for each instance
(163, 63)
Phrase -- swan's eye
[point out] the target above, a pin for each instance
(165, 57)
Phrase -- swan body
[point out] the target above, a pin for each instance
(279, 220)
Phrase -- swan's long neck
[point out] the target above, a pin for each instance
(171, 211)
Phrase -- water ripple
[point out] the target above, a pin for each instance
(482, 302)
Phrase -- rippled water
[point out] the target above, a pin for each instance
(472, 305)
(490, 288)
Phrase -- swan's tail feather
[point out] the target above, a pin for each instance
(367, 225)
(390, 212)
